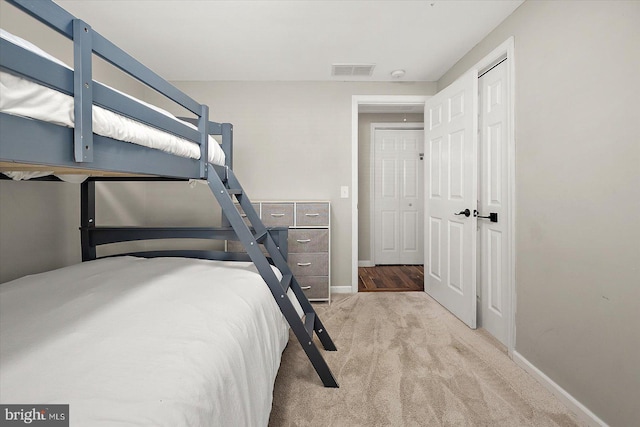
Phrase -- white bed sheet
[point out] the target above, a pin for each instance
(148, 342)
(26, 98)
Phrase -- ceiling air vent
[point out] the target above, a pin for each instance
(357, 70)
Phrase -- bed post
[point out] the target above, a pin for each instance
(82, 92)
(227, 144)
(203, 128)
(87, 218)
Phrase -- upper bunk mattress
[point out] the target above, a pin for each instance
(26, 98)
(148, 342)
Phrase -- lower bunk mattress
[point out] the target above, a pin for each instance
(153, 342)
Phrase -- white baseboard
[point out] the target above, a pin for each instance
(341, 290)
(366, 263)
(582, 412)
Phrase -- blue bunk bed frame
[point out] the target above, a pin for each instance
(34, 142)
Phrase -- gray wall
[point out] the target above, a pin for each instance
(293, 142)
(578, 196)
(157, 204)
(21, 25)
(38, 227)
(364, 172)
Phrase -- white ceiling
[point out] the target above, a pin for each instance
(295, 39)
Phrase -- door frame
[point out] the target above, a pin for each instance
(506, 48)
(356, 102)
(372, 170)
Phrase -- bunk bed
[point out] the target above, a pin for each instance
(138, 338)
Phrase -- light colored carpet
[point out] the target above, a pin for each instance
(403, 360)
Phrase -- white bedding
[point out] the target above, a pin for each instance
(149, 342)
(26, 98)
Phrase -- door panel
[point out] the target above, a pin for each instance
(435, 171)
(451, 135)
(389, 240)
(456, 165)
(456, 256)
(435, 248)
(409, 236)
(493, 162)
(493, 268)
(398, 199)
(389, 180)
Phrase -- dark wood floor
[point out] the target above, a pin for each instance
(391, 278)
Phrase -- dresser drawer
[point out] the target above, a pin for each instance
(312, 214)
(314, 287)
(277, 214)
(308, 240)
(309, 264)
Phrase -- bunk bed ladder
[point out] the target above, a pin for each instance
(225, 187)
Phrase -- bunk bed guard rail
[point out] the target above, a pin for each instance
(86, 92)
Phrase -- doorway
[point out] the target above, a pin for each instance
(401, 128)
(383, 104)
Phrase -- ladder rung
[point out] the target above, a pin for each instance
(234, 190)
(309, 322)
(286, 282)
(261, 236)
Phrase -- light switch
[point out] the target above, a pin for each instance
(344, 192)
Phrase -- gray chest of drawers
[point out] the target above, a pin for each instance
(309, 241)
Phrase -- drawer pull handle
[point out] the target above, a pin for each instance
(312, 214)
(305, 288)
(277, 214)
(304, 264)
(303, 240)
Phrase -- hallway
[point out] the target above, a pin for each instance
(391, 278)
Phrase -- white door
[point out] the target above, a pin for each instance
(451, 189)
(493, 265)
(398, 196)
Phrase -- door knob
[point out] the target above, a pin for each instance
(465, 212)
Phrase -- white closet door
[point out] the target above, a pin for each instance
(493, 245)
(451, 119)
(398, 203)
